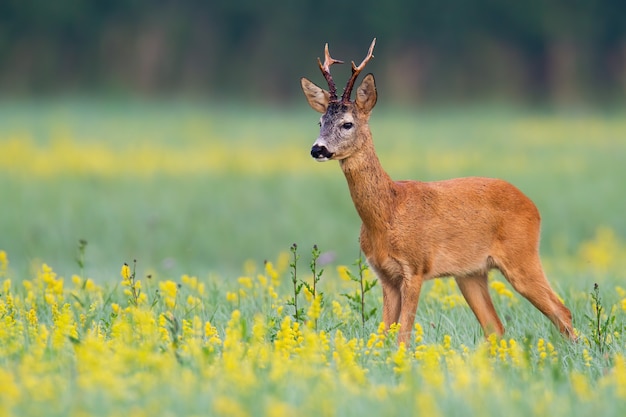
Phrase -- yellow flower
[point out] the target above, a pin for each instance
(200, 288)
(587, 358)
(168, 288)
(193, 301)
(315, 310)
(210, 333)
(32, 317)
(191, 282)
(344, 272)
(581, 386)
(308, 295)
(270, 271)
(276, 408)
(419, 333)
(224, 406)
(4, 262)
(245, 282)
(116, 308)
(125, 272)
(49, 299)
(232, 297)
(400, 360)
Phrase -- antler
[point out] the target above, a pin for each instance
(325, 68)
(355, 73)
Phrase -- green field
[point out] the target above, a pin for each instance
(208, 191)
(198, 188)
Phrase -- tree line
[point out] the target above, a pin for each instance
(547, 50)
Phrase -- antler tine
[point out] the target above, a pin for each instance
(325, 68)
(356, 71)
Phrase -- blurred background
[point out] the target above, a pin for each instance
(548, 51)
(175, 132)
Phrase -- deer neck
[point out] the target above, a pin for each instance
(371, 188)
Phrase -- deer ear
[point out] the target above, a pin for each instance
(317, 97)
(366, 95)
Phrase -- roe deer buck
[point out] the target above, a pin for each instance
(413, 231)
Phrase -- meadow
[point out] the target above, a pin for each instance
(203, 203)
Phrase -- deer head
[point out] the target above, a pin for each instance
(344, 124)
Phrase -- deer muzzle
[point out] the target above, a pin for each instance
(321, 153)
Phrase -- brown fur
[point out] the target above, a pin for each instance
(413, 231)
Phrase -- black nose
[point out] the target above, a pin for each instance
(318, 152)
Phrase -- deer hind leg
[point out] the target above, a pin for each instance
(527, 277)
(476, 292)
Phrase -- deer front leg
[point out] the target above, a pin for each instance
(410, 294)
(391, 303)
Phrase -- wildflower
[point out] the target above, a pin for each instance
(400, 360)
(503, 350)
(271, 272)
(580, 385)
(394, 329)
(492, 339)
(446, 342)
(288, 337)
(427, 405)
(541, 349)
(272, 293)
(618, 375)
(587, 358)
(314, 311)
(337, 309)
(446, 292)
(169, 289)
(419, 333)
(554, 355)
(125, 272)
(501, 289)
(622, 294)
(278, 308)
(115, 308)
(50, 299)
(245, 282)
(192, 282)
(344, 356)
(515, 353)
(224, 406)
(308, 295)
(4, 263)
(344, 273)
(32, 317)
(77, 281)
(10, 392)
(276, 408)
(193, 301)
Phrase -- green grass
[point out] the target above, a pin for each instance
(570, 165)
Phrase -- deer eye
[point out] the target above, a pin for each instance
(347, 125)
